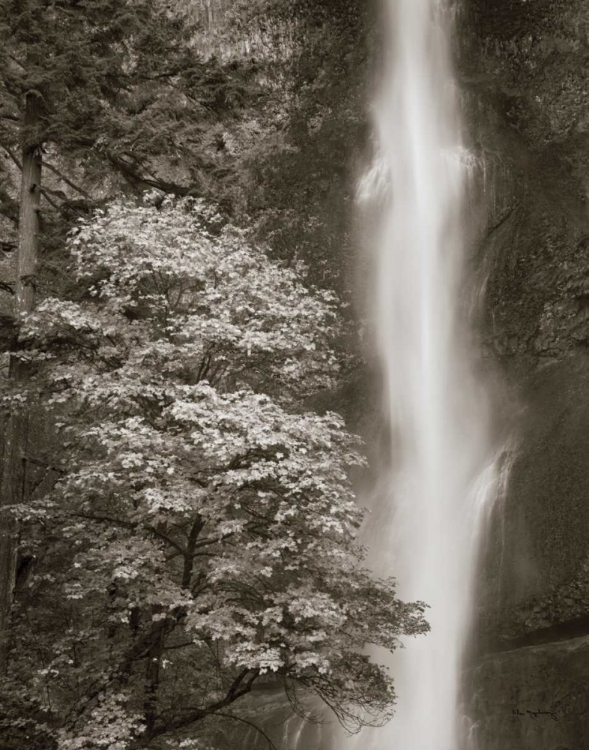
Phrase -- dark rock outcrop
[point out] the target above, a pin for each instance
(534, 698)
(535, 574)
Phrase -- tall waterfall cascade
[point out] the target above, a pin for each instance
(441, 476)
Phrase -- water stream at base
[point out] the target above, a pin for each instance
(442, 476)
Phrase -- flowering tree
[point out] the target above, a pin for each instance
(201, 535)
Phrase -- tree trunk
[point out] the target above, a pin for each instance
(12, 488)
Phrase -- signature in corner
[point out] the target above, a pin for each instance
(536, 714)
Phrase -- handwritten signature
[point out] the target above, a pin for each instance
(535, 714)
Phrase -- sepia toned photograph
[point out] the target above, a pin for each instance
(294, 375)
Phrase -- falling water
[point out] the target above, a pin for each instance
(442, 475)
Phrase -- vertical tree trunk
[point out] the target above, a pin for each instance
(12, 487)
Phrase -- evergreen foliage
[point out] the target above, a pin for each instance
(121, 85)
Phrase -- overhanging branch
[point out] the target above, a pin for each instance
(67, 181)
(241, 686)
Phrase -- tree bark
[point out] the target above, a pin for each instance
(12, 487)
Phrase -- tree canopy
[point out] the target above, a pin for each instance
(200, 534)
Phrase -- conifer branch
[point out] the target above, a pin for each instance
(12, 155)
(43, 191)
(65, 179)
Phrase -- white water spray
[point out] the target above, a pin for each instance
(442, 478)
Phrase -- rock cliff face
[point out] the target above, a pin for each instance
(535, 697)
(533, 617)
(535, 573)
(529, 103)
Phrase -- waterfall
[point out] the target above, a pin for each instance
(441, 477)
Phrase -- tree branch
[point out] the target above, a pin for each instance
(51, 202)
(189, 555)
(179, 645)
(43, 191)
(107, 519)
(240, 687)
(164, 537)
(132, 525)
(13, 156)
(67, 180)
(135, 179)
(44, 465)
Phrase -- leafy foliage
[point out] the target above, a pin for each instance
(201, 536)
